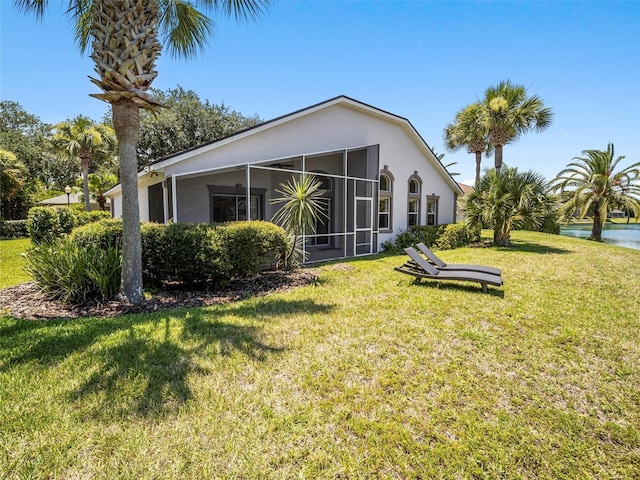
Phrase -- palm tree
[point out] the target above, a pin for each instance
(590, 183)
(300, 211)
(123, 35)
(508, 113)
(100, 183)
(84, 139)
(468, 130)
(12, 175)
(509, 200)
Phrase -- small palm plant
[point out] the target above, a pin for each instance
(299, 213)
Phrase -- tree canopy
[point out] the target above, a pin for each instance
(187, 122)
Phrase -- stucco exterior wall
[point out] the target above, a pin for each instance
(335, 127)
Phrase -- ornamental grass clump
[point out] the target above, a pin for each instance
(73, 273)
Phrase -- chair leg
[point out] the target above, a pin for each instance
(484, 287)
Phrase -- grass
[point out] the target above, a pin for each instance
(11, 261)
(365, 374)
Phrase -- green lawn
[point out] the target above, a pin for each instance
(11, 261)
(364, 374)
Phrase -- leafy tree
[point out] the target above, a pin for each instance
(84, 139)
(469, 131)
(509, 200)
(300, 210)
(186, 122)
(123, 35)
(509, 113)
(12, 175)
(591, 184)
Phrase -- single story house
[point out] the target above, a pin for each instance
(73, 198)
(378, 174)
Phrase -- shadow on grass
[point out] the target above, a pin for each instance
(140, 364)
(528, 247)
(459, 287)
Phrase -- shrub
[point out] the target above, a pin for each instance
(456, 235)
(13, 229)
(102, 233)
(82, 218)
(45, 224)
(441, 236)
(253, 246)
(186, 253)
(70, 272)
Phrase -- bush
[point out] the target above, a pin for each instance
(13, 229)
(253, 246)
(70, 272)
(102, 233)
(441, 236)
(456, 235)
(185, 253)
(43, 224)
(83, 218)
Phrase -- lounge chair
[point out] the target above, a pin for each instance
(420, 268)
(455, 266)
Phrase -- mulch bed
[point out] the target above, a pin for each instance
(26, 301)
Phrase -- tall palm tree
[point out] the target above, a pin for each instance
(123, 35)
(592, 184)
(469, 131)
(509, 200)
(12, 175)
(510, 113)
(84, 139)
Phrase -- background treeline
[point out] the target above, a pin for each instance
(33, 167)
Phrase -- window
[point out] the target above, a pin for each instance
(432, 209)
(385, 199)
(384, 213)
(414, 186)
(414, 212)
(232, 208)
(413, 205)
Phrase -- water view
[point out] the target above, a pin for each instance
(616, 234)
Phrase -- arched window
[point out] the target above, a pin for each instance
(413, 201)
(385, 200)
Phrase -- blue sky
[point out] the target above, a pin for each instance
(422, 60)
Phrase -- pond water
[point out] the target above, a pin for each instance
(613, 233)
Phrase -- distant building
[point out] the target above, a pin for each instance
(466, 189)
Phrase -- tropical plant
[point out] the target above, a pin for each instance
(509, 200)
(84, 139)
(469, 131)
(301, 210)
(123, 35)
(12, 174)
(591, 184)
(99, 183)
(508, 113)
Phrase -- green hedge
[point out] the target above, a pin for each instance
(195, 253)
(253, 246)
(444, 237)
(13, 229)
(44, 224)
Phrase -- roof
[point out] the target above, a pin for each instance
(466, 189)
(237, 136)
(62, 199)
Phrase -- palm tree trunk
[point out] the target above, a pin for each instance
(596, 231)
(498, 158)
(126, 122)
(85, 182)
(478, 161)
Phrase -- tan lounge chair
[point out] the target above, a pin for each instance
(420, 268)
(455, 266)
